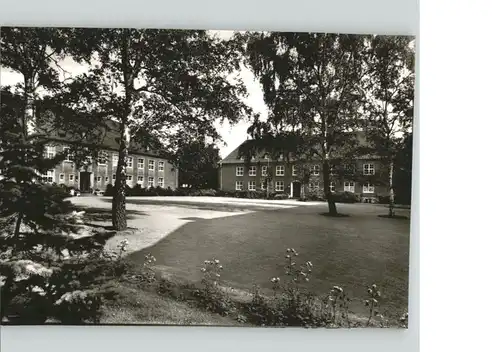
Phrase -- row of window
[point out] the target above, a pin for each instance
(280, 186)
(349, 186)
(252, 186)
(50, 152)
(49, 177)
(130, 162)
(368, 169)
(140, 180)
(266, 157)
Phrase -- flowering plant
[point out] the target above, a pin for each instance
(372, 302)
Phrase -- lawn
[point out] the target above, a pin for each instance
(139, 306)
(351, 252)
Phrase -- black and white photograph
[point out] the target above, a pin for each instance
(205, 177)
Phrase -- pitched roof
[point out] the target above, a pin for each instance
(235, 157)
(107, 137)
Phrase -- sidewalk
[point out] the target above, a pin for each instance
(229, 200)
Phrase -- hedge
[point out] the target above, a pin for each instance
(158, 191)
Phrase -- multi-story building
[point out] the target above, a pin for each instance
(284, 175)
(144, 167)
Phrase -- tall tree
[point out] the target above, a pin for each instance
(171, 83)
(41, 244)
(198, 164)
(35, 54)
(388, 108)
(403, 171)
(310, 83)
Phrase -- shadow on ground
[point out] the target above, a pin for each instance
(225, 207)
(94, 214)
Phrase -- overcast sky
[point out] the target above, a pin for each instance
(232, 136)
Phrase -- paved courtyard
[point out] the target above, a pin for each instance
(249, 237)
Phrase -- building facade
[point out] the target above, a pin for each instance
(284, 176)
(146, 170)
(145, 165)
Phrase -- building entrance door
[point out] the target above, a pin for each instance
(85, 181)
(296, 189)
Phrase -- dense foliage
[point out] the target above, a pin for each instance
(44, 245)
(323, 89)
(162, 87)
(388, 103)
(197, 163)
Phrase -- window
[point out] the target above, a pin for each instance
(50, 151)
(114, 177)
(349, 168)
(294, 170)
(252, 171)
(99, 179)
(69, 156)
(314, 185)
(368, 188)
(130, 162)
(106, 179)
(239, 185)
(266, 156)
(160, 181)
(71, 178)
(280, 170)
(281, 156)
(315, 170)
(263, 185)
(332, 187)
(61, 178)
(239, 171)
(251, 186)
(368, 169)
(48, 176)
(129, 179)
(151, 165)
(280, 186)
(140, 163)
(349, 186)
(263, 171)
(151, 181)
(140, 180)
(161, 166)
(102, 158)
(115, 159)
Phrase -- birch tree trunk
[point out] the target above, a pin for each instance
(391, 189)
(28, 128)
(29, 109)
(332, 207)
(119, 212)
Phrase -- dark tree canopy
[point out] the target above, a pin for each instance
(41, 244)
(388, 100)
(157, 85)
(36, 54)
(310, 83)
(403, 171)
(198, 165)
